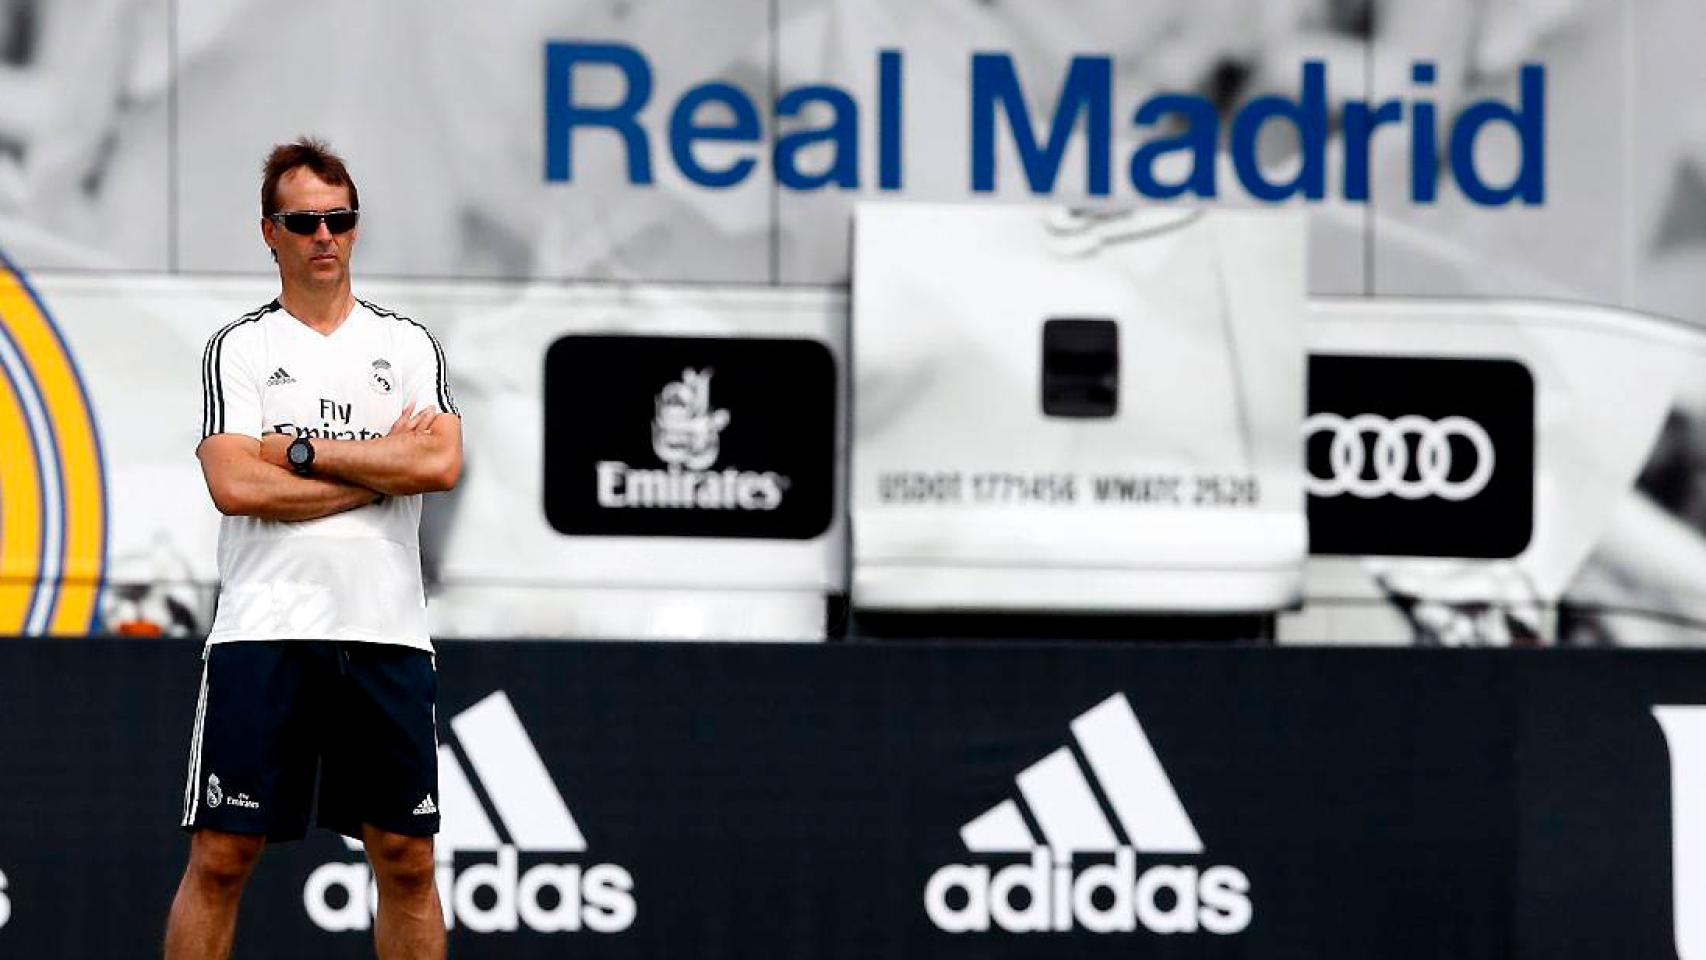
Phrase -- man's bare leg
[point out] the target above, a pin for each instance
(410, 923)
(204, 911)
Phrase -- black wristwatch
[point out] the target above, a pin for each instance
(300, 456)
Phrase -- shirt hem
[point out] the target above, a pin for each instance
(421, 643)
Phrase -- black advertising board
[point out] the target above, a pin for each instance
(689, 437)
(920, 800)
(1419, 456)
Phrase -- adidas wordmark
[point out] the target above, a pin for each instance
(599, 898)
(1108, 895)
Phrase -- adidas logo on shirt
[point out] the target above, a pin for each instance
(279, 378)
(494, 895)
(1048, 892)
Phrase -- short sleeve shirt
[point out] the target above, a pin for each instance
(354, 575)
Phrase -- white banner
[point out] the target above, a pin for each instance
(738, 136)
(1059, 410)
(1502, 472)
(1534, 482)
(496, 565)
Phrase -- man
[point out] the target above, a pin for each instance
(324, 419)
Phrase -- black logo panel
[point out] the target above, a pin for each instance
(1419, 456)
(689, 437)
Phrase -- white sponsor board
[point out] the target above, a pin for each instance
(992, 471)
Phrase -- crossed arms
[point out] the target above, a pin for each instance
(248, 477)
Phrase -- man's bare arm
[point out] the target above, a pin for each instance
(421, 454)
(244, 484)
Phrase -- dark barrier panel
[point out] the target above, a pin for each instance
(927, 801)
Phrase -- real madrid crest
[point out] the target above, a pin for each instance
(380, 377)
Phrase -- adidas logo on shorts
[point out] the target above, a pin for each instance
(501, 891)
(1105, 892)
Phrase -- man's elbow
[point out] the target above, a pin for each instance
(435, 476)
(229, 500)
(446, 475)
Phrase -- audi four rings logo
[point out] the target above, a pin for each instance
(1389, 442)
(1419, 456)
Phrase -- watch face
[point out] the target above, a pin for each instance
(299, 452)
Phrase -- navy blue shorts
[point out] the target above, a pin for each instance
(283, 723)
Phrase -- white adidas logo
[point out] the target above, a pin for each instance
(535, 820)
(426, 808)
(1109, 895)
(1684, 728)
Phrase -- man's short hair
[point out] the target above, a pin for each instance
(308, 152)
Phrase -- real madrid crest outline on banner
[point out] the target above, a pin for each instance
(53, 499)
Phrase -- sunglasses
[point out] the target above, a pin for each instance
(307, 222)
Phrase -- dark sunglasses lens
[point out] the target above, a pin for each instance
(303, 223)
(306, 224)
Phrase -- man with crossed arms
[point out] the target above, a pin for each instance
(325, 418)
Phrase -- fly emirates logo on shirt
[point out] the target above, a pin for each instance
(334, 424)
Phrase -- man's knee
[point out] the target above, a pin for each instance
(397, 859)
(224, 859)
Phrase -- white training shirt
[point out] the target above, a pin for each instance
(355, 575)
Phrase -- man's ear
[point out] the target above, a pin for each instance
(267, 238)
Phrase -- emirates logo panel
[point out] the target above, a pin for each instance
(689, 437)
